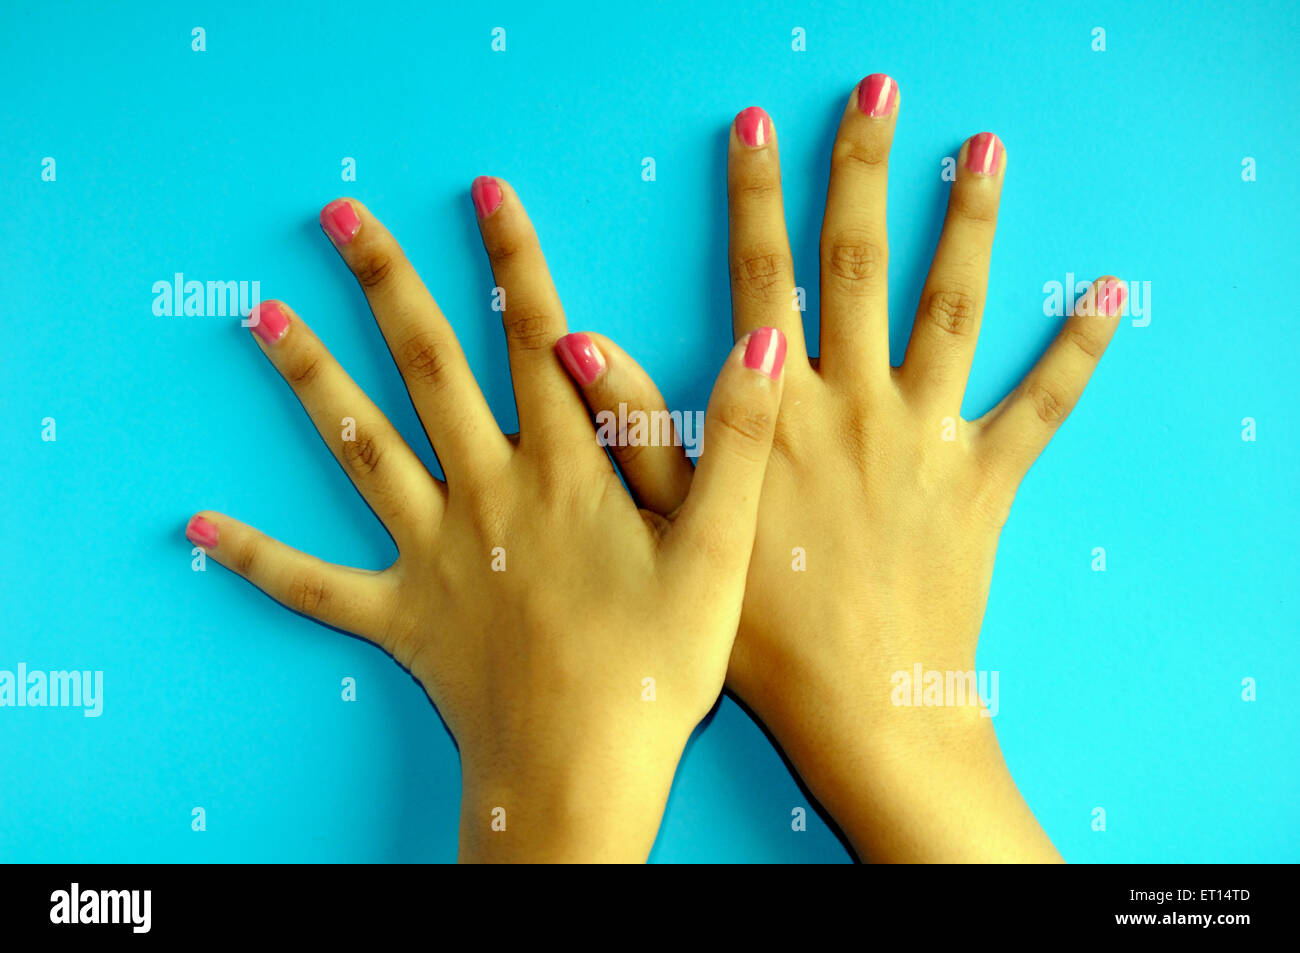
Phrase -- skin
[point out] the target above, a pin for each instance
(538, 670)
(900, 526)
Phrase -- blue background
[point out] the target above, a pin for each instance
(1119, 690)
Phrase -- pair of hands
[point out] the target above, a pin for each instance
(533, 597)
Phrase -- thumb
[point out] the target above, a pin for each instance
(717, 520)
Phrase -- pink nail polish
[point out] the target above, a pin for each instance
(340, 221)
(269, 322)
(201, 533)
(765, 352)
(1110, 299)
(754, 127)
(486, 193)
(876, 95)
(581, 356)
(985, 154)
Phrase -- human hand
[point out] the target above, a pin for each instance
(895, 501)
(531, 598)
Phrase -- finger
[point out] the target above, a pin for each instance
(719, 516)
(947, 323)
(1015, 432)
(653, 458)
(854, 243)
(380, 464)
(549, 412)
(762, 270)
(456, 417)
(350, 599)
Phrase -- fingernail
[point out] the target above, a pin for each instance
(340, 221)
(486, 193)
(876, 95)
(985, 154)
(765, 352)
(269, 322)
(201, 533)
(1111, 298)
(754, 127)
(581, 356)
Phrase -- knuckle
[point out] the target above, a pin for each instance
(746, 428)
(558, 477)
(373, 268)
(951, 311)
(362, 454)
(528, 330)
(490, 518)
(303, 370)
(1085, 339)
(1048, 401)
(628, 454)
(757, 188)
(974, 206)
(306, 593)
(860, 155)
(855, 260)
(761, 273)
(246, 555)
(423, 358)
(505, 243)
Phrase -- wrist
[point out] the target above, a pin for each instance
(564, 807)
(905, 784)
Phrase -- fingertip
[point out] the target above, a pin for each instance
(985, 154)
(753, 127)
(202, 530)
(341, 220)
(581, 357)
(764, 351)
(270, 320)
(486, 193)
(1111, 293)
(1104, 298)
(876, 96)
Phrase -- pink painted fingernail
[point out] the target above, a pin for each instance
(340, 221)
(985, 154)
(876, 95)
(202, 533)
(754, 127)
(1111, 298)
(486, 193)
(765, 352)
(268, 321)
(581, 356)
